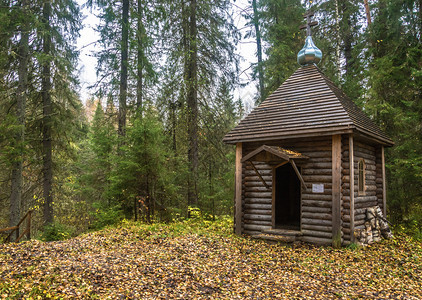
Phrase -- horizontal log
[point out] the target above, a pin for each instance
(312, 233)
(268, 179)
(258, 206)
(255, 222)
(316, 203)
(259, 167)
(257, 189)
(255, 183)
(256, 227)
(257, 200)
(261, 172)
(313, 209)
(346, 230)
(258, 212)
(358, 217)
(258, 195)
(368, 193)
(363, 204)
(317, 197)
(317, 216)
(360, 199)
(251, 232)
(367, 172)
(318, 165)
(317, 227)
(319, 154)
(361, 154)
(364, 147)
(345, 165)
(316, 240)
(316, 222)
(316, 171)
(317, 178)
(257, 217)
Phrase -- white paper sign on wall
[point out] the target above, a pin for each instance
(317, 188)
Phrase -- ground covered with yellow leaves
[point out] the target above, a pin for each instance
(203, 260)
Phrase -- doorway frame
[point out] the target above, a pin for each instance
(274, 181)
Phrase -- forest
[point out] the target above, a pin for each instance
(148, 143)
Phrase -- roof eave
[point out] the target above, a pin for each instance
(316, 133)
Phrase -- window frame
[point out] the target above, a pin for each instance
(361, 177)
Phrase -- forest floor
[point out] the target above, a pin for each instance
(203, 260)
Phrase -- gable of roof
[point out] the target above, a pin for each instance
(306, 104)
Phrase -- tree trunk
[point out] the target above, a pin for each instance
(347, 38)
(16, 184)
(46, 124)
(140, 36)
(258, 52)
(368, 12)
(192, 103)
(121, 130)
(338, 68)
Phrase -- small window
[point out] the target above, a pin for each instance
(361, 178)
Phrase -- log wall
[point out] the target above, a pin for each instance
(362, 202)
(316, 209)
(256, 197)
(345, 183)
(379, 177)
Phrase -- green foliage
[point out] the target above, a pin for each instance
(56, 232)
(104, 215)
(280, 27)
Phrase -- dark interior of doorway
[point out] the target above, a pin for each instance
(287, 198)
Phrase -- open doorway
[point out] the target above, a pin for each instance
(286, 198)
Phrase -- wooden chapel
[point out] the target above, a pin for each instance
(309, 162)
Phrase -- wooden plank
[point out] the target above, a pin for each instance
(292, 162)
(238, 194)
(336, 192)
(9, 228)
(259, 175)
(273, 197)
(384, 184)
(352, 183)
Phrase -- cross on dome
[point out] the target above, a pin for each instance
(309, 23)
(309, 54)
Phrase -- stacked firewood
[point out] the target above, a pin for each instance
(376, 227)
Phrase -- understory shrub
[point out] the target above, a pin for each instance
(56, 232)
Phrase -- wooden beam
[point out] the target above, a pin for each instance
(238, 193)
(274, 183)
(351, 188)
(336, 192)
(9, 228)
(384, 184)
(292, 162)
(259, 175)
(267, 149)
(280, 164)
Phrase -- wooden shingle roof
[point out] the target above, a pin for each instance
(306, 104)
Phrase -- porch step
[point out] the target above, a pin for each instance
(282, 232)
(275, 237)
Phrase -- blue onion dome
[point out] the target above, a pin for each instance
(309, 54)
